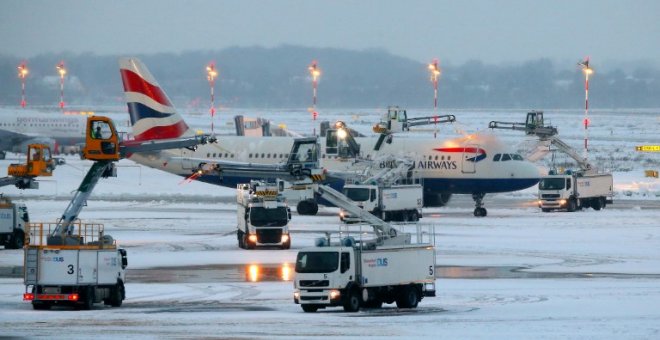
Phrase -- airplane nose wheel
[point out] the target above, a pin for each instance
(479, 210)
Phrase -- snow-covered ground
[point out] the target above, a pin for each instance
(517, 273)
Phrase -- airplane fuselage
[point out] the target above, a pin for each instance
(20, 128)
(461, 166)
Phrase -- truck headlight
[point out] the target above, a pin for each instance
(562, 202)
(334, 294)
(285, 237)
(540, 203)
(296, 295)
(252, 238)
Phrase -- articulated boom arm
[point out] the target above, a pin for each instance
(546, 134)
(385, 233)
(539, 131)
(104, 150)
(128, 147)
(568, 150)
(417, 121)
(534, 125)
(99, 169)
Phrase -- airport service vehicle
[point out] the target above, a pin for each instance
(353, 275)
(69, 263)
(390, 193)
(575, 190)
(87, 269)
(262, 216)
(360, 272)
(39, 163)
(390, 203)
(562, 190)
(13, 218)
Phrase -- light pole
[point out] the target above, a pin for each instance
(62, 71)
(22, 73)
(434, 69)
(587, 70)
(211, 73)
(315, 72)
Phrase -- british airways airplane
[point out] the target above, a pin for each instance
(475, 164)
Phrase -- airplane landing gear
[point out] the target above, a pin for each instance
(479, 210)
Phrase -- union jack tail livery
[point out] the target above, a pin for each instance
(152, 114)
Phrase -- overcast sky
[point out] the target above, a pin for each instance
(454, 31)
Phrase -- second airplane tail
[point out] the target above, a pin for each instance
(152, 114)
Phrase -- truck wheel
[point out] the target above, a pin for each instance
(596, 204)
(239, 236)
(310, 308)
(375, 303)
(572, 205)
(88, 299)
(414, 217)
(40, 305)
(117, 295)
(603, 202)
(407, 297)
(17, 240)
(352, 301)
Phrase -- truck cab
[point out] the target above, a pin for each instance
(325, 276)
(262, 216)
(13, 219)
(555, 192)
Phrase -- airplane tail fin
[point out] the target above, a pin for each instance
(152, 114)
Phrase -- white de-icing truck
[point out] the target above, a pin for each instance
(571, 191)
(13, 218)
(354, 275)
(86, 269)
(390, 193)
(262, 215)
(389, 203)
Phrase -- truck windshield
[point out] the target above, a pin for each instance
(317, 262)
(357, 194)
(551, 184)
(260, 217)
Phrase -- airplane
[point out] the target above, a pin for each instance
(19, 129)
(475, 164)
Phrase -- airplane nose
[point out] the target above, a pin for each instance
(530, 170)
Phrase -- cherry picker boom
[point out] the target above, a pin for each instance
(396, 120)
(104, 148)
(78, 264)
(570, 190)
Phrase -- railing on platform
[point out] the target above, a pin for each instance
(83, 236)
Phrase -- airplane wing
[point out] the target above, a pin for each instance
(254, 170)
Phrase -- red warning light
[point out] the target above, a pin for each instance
(314, 115)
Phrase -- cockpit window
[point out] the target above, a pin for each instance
(506, 157)
(497, 157)
(517, 157)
